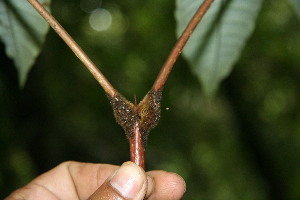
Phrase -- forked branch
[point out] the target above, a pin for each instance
(136, 120)
(74, 47)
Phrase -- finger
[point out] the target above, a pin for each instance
(89, 177)
(69, 180)
(167, 186)
(32, 192)
(127, 182)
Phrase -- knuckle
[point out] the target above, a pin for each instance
(20, 194)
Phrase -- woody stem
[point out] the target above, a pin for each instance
(74, 47)
(137, 151)
(168, 65)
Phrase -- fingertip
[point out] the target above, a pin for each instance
(127, 182)
(167, 185)
(178, 185)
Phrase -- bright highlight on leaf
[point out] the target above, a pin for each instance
(23, 32)
(296, 4)
(217, 42)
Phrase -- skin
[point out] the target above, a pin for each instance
(74, 181)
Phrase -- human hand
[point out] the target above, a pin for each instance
(74, 180)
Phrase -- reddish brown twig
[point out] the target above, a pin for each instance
(74, 47)
(167, 67)
(137, 151)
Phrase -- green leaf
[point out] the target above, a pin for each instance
(296, 4)
(23, 32)
(218, 40)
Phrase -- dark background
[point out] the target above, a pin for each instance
(243, 144)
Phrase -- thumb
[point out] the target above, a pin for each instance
(127, 182)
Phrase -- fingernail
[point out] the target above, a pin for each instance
(128, 180)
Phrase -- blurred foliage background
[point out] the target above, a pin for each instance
(243, 144)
